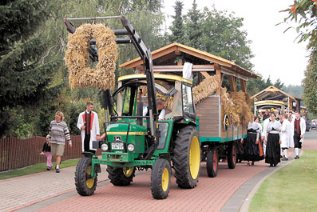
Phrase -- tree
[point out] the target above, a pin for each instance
(304, 13)
(309, 83)
(24, 75)
(193, 27)
(279, 84)
(222, 36)
(177, 27)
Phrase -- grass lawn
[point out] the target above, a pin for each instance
(292, 188)
(40, 167)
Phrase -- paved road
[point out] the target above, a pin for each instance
(49, 191)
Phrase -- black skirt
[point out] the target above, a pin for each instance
(273, 149)
(251, 148)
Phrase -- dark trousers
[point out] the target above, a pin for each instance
(296, 141)
(86, 144)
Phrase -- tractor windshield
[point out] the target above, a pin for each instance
(132, 100)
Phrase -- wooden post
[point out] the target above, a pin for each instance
(218, 74)
(243, 84)
(233, 83)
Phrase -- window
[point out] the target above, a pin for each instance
(187, 99)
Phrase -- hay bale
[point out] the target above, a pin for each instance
(77, 57)
(206, 88)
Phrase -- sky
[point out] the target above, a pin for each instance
(276, 54)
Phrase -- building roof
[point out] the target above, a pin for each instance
(167, 55)
(272, 93)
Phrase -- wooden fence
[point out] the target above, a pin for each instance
(17, 153)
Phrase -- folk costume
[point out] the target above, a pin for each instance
(88, 135)
(285, 138)
(264, 133)
(273, 146)
(253, 150)
(299, 131)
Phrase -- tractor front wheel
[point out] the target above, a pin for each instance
(85, 183)
(212, 162)
(120, 176)
(186, 159)
(161, 179)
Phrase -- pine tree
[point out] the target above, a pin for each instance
(23, 74)
(193, 26)
(177, 27)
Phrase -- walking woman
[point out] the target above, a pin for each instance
(58, 133)
(273, 142)
(253, 147)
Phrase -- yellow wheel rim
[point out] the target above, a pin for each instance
(165, 179)
(194, 157)
(128, 171)
(89, 181)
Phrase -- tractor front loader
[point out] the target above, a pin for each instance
(136, 139)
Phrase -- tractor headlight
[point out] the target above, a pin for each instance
(130, 147)
(104, 147)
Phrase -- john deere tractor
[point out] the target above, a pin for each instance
(135, 138)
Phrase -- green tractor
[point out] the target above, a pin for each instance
(136, 138)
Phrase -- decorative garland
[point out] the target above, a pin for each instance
(77, 57)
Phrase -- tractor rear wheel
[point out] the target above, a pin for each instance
(232, 155)
(212, 162)
(120, 176)
(161, 179)
(186, 159)
(85, 183)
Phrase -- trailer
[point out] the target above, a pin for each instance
(218, 132)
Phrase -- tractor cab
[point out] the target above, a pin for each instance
(129, 129)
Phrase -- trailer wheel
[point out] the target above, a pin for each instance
(186, 159)
(212, 162)
(232, 155)
(121, 176)
(161, 179)
(85, 184)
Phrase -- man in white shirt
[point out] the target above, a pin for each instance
(88, 124)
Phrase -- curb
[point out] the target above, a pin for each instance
(241, 199)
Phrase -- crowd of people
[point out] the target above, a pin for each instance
(271, 139)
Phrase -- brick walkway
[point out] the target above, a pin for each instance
(49, 191)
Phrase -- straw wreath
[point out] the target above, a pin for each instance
(77, 57)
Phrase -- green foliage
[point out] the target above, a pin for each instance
(294, 90)
(177, 27)
(304, 13)
(310, 81)
(32, 44)
(194, 31)
(24, 74)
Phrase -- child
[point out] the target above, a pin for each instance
(46, 150)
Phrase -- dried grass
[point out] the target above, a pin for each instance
(237, 105)
(77, 57)
(206, 88)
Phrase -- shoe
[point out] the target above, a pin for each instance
(252, 163)
(58, 171)
(297, 157)
(284, 159)
(48, 168)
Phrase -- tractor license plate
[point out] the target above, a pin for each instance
(117, 146)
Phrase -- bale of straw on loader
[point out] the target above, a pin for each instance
(81, 75)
